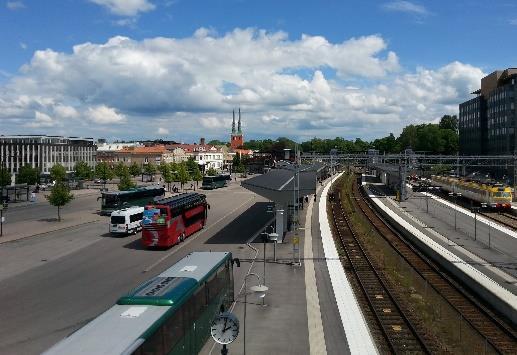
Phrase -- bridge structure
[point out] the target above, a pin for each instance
(393, 168)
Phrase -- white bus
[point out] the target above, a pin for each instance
(127, 220)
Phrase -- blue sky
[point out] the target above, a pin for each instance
(297, 68)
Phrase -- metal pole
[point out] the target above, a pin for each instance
(1, 220)
(264, 237)
(245, 303)
(475, 225)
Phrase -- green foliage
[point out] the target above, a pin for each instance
(191, 164)
(134, 169)
(174, 171)
(59, 196)
(27, 175)
(387, 144)
(150, 168)
(216, 142)
(211, 172)
(196, 174)
(5, 177)
(183, 175)
(240, 169)
(103, 171)
(83, 170)
(120, 169)
(449, 122)
(58, 172)
(125, 181)
(429, 138)
(440, 169)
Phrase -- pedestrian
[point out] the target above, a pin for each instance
(192, 186)
(33, 196)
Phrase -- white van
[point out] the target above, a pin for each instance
(127, 220)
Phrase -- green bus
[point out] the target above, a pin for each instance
(214, 182)
(168, 314)
(139, 196)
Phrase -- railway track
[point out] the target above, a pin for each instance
(496, 333)
(503, 218)
(397, 331)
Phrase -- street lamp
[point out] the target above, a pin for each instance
(259, 290)
(455, 194)
(475, 210)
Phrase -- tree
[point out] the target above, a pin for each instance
(165, 170)
(103, 172)
(27, 175)
(216, 142)
(211, 171)
(83, 170)
(59, 196)
(183, 175)
(125, 180)
(120, 169)
(5, 177)
(58, 172)
(150, 169)
(449, 122)
(134, 169)
(196, 175)
(191, 164)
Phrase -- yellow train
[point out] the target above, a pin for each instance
(496, 196)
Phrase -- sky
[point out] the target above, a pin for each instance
(175, 69)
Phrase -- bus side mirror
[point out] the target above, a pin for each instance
(98, 198)
(208, 206)
(236, 261)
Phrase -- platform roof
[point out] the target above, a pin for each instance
(278, 184)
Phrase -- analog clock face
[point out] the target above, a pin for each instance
(225, 328)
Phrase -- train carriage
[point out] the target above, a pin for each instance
(169, 314)
(497, 196)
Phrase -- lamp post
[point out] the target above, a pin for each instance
(260, 290)
(475, 210)
(455, 194)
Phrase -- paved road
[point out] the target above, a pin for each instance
(42, 210)
(85, 272)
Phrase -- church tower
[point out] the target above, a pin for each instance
(237, 140)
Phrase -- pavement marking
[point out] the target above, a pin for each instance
(189, 240)
(316, 334)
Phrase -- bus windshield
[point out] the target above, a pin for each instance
(110, 201)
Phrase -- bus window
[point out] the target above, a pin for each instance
(153, 345)
(173, 329)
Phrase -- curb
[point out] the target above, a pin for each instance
(48, 232)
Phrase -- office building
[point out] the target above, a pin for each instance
(487, 122)
(42, 152)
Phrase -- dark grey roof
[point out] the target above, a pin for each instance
(278, 184)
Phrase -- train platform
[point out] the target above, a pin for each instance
(479, 252)
(308, 309)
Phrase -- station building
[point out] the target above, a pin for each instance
(487, 122)
(43, 152)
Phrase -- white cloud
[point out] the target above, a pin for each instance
(41, 120)
(513, 22)
(15, 5)
(126, 7)
(105, 115)
(305, 86)
(406, 6)
(23, 45)
(162, 131)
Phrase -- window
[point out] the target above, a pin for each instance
(136, 217)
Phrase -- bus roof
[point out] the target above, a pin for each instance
(171, 286)
(120, 328)
(181, 200)
(136, 189)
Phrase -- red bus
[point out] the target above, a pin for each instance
(169, 221)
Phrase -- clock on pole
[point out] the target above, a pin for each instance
(225, 329)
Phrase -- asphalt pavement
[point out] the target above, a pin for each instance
(55, 283)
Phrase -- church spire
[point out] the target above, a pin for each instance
(233, 123)
(239, 131)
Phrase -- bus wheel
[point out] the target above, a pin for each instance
(182, 237)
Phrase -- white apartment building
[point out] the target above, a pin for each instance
(43, 152)
(209, 156)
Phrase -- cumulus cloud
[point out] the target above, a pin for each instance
(41, 120)
(105, 115)
(15, 5)
(406, 6)
(126, 7)
(162, 131)
(306, 85)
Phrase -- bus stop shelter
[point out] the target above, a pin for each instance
(286, 187)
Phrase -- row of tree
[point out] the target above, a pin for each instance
(441, 138)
